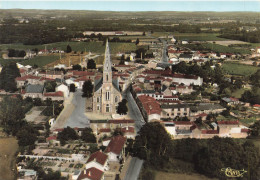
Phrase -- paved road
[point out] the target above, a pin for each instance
(134, 169)
(78, 118)
(134, 111)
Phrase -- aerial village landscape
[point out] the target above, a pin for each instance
(178, 100)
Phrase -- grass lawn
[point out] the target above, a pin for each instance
(225, 49)
(239, 69)
(254, 45)
(159, 175)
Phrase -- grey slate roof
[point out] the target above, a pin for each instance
(206, 106)
(34, 88)
(173, 106)
(98, 84)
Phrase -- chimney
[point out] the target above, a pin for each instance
(85, 171)
(89, 173)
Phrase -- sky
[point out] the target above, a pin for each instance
(135, 5)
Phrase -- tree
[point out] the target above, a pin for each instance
(67, 134)
(91, 64)
(72, 88)
(68, 49)
(26, 136)
(88, 136)
(137, 41)
(152, 141)
(77, 67)
(87, 89)
(255, 129)
(122, 107)
(50, 86)
(7, 77)
(11, 114)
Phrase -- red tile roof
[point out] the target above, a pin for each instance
(104, 130)
(202, 115)
(116, 145)
(245, 130)
(228, 122)
(83, 73)
(184, 76)
(99, 157)
(54, 94)
(128, 129)
(150, 105)
(24, 78)
(91, 173)
(256, 105)
(204, 131)
(122, 65)
(82, 78)
(22, 70)
(51, 138)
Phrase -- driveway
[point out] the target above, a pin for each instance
(77, 117)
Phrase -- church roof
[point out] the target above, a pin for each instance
(99, 83)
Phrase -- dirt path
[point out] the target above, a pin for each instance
(8, 148)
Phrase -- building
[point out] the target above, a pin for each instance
(33, 91)
(106, 89)
(97, 160)
(115, 149)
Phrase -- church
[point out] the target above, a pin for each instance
(107, 94)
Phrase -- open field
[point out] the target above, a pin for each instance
(176, 176)
(8, 148)
(238, 93)
(198, 37)
(229, 42)
(239, 69)
(96, 47)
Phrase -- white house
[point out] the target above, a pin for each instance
(115, 148)
(98, 160)
(63, 88)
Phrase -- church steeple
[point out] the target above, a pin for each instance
(107, 68)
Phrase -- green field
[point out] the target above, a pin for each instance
(198, 37)
(238, 93)
(40, 61)
(239, 69)
(96, 47)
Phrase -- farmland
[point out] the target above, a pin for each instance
(239, 69)
(176, 176)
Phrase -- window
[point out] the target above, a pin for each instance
(107, 96)
(116, 99)
(107, 108)
(98, 107)
(107, 77)
(98, 100)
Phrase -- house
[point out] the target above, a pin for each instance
(63, 88)
(27, 174)
(149, 108)
(98, 160)
(52, 74)
(91, 174)
(186, 57)
(174, 110)
(187, 79)
(115, 148)
(54, 96)
(33, 91)
(230, 101)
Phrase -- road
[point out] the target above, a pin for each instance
(77, 117)
(134, 169)
(134, 111)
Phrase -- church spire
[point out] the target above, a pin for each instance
(107, 67)
(107, 61)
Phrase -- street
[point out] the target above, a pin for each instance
(134, 169)
(78, 118)
(134, 111)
